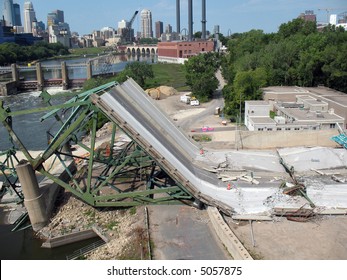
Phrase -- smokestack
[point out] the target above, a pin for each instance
(203, 21)
(190, 20)
(178, 16)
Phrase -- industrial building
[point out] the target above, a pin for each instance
(177, 52)
(297, 108)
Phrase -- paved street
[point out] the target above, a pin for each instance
(183, 233)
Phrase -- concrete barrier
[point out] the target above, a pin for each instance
(69, 238)
(228, 238)
(280, 139)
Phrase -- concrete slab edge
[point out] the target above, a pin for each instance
(226, 235)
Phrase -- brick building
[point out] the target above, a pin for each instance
(179, 51)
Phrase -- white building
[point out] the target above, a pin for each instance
(29, 17)
(333, 19)
(146, 24)
(60, 33)
(257, 116)
(307, 113)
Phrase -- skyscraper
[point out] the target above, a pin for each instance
(8, 12)
(159, 29)
(17, 16)
(146, 24)
(29, 16)
(55, 17)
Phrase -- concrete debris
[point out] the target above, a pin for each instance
(325, 158)
(332, 211)
(251, 218)
(329, 195)
(338, 179)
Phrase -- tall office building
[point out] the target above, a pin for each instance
(55, 17)
(168, 29)
(8, 12)
(146, 24)
(17, 16)
(159, 29)
(29, 17)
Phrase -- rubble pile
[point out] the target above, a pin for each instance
(76, 216)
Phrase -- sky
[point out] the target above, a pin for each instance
(233, 16)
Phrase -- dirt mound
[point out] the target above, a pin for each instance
(161, 92)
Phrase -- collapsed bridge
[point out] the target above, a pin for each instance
(157, 152)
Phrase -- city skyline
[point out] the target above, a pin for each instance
(232, 16)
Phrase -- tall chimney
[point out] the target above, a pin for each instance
(190, 20)
(178, 16)
(203, 21)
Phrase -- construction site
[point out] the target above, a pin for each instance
(266, 203)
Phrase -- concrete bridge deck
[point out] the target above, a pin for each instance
(135, 112)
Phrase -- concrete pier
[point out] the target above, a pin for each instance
(64, 76)
(89, 70)
(33, 198)
(39, 77)
(15, 74)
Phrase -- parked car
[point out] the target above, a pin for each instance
(206, 128)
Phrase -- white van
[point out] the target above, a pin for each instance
(194, 102)
(185, 99)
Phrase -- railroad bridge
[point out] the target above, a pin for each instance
(142, 50)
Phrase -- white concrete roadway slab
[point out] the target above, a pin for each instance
(303, 159)
(243, 198)
(328, 196)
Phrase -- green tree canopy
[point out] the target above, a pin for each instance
(200, 74)
(139, 71)
(297, 55)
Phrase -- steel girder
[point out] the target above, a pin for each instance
(111, 177)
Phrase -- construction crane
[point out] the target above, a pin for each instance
(328, 10)
(127, 32)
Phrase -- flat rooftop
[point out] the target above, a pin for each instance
(321, 92)
(285, 90)
(262, 120)
(306, 115)
(257, 102)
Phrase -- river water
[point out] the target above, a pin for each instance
(28, 127)
(23, 245)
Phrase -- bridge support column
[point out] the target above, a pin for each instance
(64, 75)
(14, 70)
(89, 70)
(39, 76)
(33, 199)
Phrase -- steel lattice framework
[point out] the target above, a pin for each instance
(115, 176)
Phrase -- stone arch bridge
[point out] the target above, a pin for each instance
(142, 50)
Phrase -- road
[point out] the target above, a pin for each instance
(217, 101)
(183, 233)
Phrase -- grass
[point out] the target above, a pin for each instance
(87, 51)
(112, 225)
(202, 138)
(132, 210)
(171, 75)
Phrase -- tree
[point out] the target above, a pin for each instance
(296, 26)
(139, 71)
(200, 74)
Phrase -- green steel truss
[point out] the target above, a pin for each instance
(112, 176)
